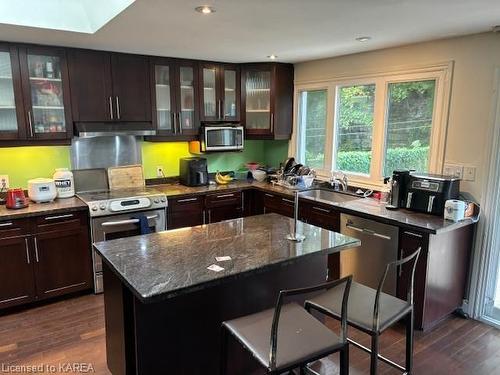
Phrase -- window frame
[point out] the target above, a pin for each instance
(441, 73)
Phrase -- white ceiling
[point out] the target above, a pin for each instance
(295, 30)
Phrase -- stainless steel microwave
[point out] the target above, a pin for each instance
(224, 137)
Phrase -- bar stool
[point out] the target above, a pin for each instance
(387, 310)
(288, 337)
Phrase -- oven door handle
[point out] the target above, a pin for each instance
(124, 222)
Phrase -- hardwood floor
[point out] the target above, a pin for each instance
(72, 331)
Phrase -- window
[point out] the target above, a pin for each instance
(354, 128)
(370, 126)
(312, 115)
(409, 125)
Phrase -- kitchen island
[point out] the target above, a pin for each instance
(163, 307)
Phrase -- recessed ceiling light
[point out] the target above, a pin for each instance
(205, 9)
(272, 57)
(364, 38)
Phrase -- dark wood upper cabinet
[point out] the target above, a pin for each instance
(131, 87)
(175, 98)
(46, 92)
(267, 100)
(219, 92)
(91, 86)
(109, 87)
(12, 115)
(34, 95)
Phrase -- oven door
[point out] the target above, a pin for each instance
(123, 225)
(222, 138)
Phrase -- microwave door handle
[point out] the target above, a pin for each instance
(125, 222)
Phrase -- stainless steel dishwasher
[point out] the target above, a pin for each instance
(379, 246)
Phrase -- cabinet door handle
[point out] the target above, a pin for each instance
(413, 234)
(224, 196)
(187, 200)
(269, 195)
(59, 217)
(204, 219)
(288, 200)
(272, 122)
(110, 101)
(209, 216)
(179, 122)
(10, 223)
(117, 107)
(321, 209)
(174, 127)
(30, 123)
(27, 250)
(36, 249)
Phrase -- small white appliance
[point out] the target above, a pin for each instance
(454, 210)
(42, 190)
(65, 185)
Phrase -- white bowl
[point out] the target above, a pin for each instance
(259, 175)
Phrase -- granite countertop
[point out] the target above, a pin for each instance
(166, 264)
(367, 207)
(37, 209)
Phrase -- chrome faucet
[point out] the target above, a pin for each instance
(338, 177)
(294, 236)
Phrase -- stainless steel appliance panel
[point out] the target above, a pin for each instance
(379, 246)
(221, 138)
(105, 152)
(119, 226)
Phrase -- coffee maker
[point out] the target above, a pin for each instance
(399, 181)
(193, 171)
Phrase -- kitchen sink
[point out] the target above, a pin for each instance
(328, 196)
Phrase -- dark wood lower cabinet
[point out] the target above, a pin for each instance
(224, 206)
(63, 262)
(50, 257)
(278, 204)
(185, 212)
(17, 283)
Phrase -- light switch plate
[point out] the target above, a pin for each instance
(469, 173)
(455, 170)
(4, 181)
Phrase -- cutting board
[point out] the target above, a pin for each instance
(126, 177)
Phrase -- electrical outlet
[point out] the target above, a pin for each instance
(454, 170)
(4, 181)
(469, 173)
(159, 171)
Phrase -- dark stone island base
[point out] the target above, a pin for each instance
(181, 335)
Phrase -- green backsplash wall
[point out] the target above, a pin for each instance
(24, 163)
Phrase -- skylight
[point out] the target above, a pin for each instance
(82, 16)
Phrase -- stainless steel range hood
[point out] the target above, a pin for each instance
(102, 129)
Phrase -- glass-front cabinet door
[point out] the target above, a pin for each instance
(231, 94)
(176, 92)
(11, 114)
(165, 116)
(210, 102)
(45, 87)
(186, 118)
(258, 111)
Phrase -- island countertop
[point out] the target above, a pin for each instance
(166, 264)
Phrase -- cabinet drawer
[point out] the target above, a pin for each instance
(321, 215)
(278, 204)
(14, 228)
(60, 221)
(223, 199)
(186, 204)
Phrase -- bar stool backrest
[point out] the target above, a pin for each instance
(409, 299)
(291, 292)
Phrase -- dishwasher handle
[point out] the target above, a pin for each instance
(124, 222)
(368, 231)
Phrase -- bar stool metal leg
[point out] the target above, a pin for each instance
(374, 355)
(409, 342)
(344, 360)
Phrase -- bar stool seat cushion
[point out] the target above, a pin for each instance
(300, 336)
(360, 306)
